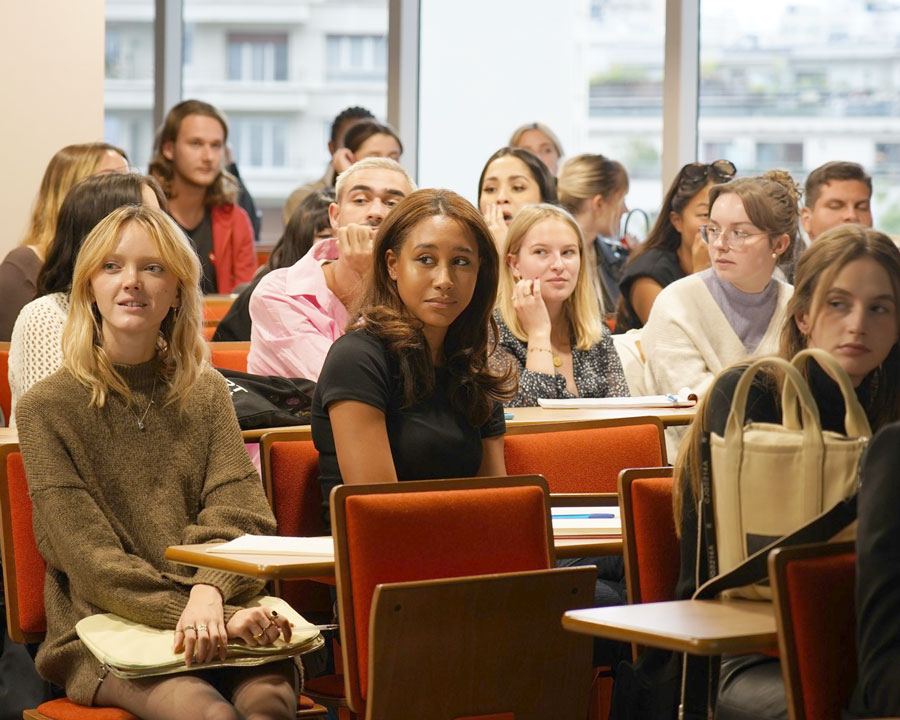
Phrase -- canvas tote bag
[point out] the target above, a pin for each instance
(768, 480)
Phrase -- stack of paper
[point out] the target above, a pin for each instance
(619, 403)
(276, 545)
(585, 522)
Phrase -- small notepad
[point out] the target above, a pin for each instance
(276, 545)
(586, 521)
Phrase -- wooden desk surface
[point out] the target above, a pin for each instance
(532, 416)
(700, 627)
(529, 416)
(284, 567)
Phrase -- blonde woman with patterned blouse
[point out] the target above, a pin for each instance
(549, 315)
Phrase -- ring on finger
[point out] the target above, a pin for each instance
(201, 627)
(260, 634)
(188, 627)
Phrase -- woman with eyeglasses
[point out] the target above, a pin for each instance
(734, 309)
(673, 248)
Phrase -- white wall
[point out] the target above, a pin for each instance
(52, 55)
(486, 68)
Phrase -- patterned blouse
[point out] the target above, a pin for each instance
(598, 371)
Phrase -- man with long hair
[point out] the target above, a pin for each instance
(188, 163)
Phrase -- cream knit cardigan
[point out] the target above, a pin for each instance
(688, 340)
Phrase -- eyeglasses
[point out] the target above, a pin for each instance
(734, 239)
(718, 171)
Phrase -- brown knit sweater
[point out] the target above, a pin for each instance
(109, 498)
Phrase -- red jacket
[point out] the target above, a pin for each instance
(234, 253)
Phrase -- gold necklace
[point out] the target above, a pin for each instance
(557, 360)
(140, 420)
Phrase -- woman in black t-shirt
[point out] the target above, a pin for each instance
(409, 394)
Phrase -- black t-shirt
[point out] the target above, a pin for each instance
(657, 264)
(202, 238)
(429, 440)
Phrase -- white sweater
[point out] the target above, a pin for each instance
(34, 348)
(688, 340)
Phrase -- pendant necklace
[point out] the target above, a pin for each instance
(140, 420)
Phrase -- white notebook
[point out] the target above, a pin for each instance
(277, 545)
(683, 399)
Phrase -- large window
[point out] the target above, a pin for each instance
(128, 91)
(794, 85)
(591, 71)
(268, 65)
(356, 57)
(254, 58)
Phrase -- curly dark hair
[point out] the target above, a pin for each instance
(475, 383)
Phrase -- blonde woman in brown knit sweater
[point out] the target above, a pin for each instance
(133, 446)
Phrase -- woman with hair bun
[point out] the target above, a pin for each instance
(734, 309)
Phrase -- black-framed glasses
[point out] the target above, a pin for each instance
(717, 171)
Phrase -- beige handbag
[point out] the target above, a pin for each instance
(769, 480)
(131, 650)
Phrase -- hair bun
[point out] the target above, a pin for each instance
(783, 178)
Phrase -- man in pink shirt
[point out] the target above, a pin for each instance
(297, 312)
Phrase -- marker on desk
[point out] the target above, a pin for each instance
(508, 416)
(673, 398)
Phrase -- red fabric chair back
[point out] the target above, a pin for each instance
(816, 628)
(295, 491)
(586, 460)
(23, 566)
(5, 392)
(384, 535)
(652, 547)
(291, 476)
(229, 355)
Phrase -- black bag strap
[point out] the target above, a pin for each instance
(754, 568)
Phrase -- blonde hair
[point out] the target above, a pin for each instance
(540, 127)
(584, 176)
(582, 306)
(181, 348)
(372, 163)
(65, 168)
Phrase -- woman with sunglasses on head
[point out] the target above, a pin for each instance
(673, 248)
(734, 309)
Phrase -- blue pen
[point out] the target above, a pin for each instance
(587, 516)
(673, 398)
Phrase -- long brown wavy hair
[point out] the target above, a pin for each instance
(475, 384)
(816, 271)
(224, 188)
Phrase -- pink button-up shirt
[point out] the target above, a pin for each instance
(295, 317)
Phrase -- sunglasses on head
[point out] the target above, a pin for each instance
(717, 171)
